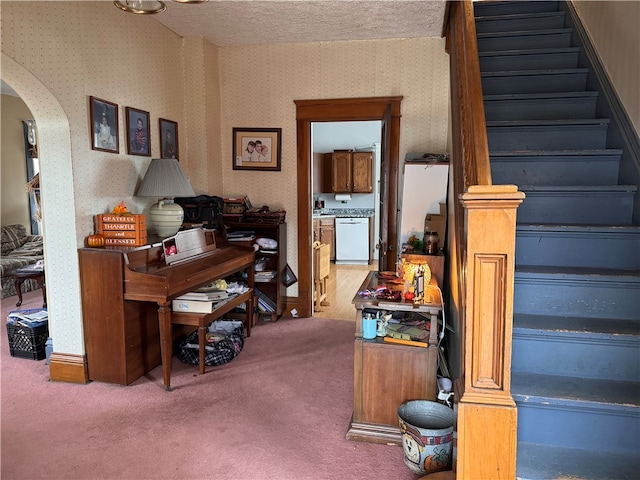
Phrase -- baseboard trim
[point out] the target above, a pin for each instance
(289, 304)
(66, 367)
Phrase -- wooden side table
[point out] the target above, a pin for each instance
(25, 273)
(387, 374)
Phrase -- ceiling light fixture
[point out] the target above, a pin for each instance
(141, 7)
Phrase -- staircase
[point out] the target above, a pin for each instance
(576, 336)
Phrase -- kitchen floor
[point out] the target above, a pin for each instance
(342, 285)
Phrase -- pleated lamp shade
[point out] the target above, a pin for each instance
(165, 178)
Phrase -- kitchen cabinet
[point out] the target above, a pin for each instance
(324, 232)
(362, 172)
(351, 172)
(387, 374)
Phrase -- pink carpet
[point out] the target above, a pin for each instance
(280, 410)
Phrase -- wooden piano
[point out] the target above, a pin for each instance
(126, 304)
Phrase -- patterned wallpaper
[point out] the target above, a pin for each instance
(613, 27)
(57, 54)
(258, 87)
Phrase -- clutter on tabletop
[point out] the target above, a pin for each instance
(220, 284)
(414, 244)
(408, 283)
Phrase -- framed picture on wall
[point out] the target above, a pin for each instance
(104, 125)
(138, 132)
(257, 149)
(168, 139)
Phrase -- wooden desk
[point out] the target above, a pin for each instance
(385, 374)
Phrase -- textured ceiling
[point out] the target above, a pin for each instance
(238, 22)
(256, 22)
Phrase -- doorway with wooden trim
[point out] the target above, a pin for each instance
(386, 109)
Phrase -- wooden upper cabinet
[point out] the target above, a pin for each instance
(341, 172)
(351, 172)
(362, 172)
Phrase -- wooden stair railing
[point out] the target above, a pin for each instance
(482, 221)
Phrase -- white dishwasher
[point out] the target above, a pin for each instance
(352, 240)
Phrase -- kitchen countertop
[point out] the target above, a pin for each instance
(343, 213)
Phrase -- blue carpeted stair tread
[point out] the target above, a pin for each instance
(540, 96)
(609, 326)
(568, 391)
(551, 462)
(524, 33)
(556, 271)
(578, 188)
(594, 229)
(547, 123)
(548, 153)
(528, 51)
(519, 16)
(523, 73)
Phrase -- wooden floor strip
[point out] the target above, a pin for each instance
(342, 285)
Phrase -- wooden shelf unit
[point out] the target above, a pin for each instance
(277, 261)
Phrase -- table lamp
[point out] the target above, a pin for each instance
(165, 178)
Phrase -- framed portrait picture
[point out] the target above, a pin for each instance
(257, 149)
(104, 125)
(138, 132)
(168, 139)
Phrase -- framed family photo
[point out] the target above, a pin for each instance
(104, 125)
(138, 132)
(168, 139)
(257, 149)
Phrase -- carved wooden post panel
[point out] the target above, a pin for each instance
(487, 415)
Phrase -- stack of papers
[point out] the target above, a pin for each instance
(195, 302)
(214, 295)
(28, 318)
(265, 276)
(241, 236)
(406, 332)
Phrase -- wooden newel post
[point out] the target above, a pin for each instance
(487, 415)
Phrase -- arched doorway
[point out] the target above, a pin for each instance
(60, 244)
(341, 110)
